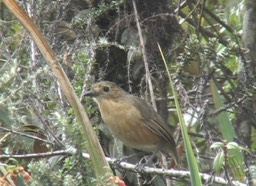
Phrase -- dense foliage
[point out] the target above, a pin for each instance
(207, 57)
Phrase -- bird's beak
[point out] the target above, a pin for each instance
(90, 93)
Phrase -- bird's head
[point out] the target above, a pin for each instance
(105, 90)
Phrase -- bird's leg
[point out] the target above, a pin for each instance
(124, 158)
(145, 161)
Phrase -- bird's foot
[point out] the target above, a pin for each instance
(141, 164)
(146, 160)
(122, 159)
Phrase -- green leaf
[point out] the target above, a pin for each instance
(225, 125)
(217, 145)
(233, 145)
(235, 157)
(235, 162)
(8, 72)
(218, 162)
(5, 118)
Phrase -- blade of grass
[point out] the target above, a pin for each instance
(192, 164)
(100, 165)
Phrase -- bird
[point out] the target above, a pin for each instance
(132, 120)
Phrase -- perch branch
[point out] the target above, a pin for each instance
(128, 166)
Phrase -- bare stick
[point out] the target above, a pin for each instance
(145, 59)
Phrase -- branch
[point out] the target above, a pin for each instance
(144, 55)
(25, 134)
(128, 166)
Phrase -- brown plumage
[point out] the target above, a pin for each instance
(132, 120)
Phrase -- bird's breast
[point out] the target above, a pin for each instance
(126, 123)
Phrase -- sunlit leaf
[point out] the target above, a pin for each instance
(233, 145)
(218, 162)
(225, 125)
(217, 145)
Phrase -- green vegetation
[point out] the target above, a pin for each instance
(205, 88)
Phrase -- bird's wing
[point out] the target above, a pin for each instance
(153, 120)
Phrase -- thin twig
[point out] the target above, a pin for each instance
(191, 12)
(201, 13)
(145, 59)
(226, 107)
(215, 17)
(25, 134)
(204, 31)
(45, 123)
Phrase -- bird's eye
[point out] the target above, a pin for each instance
(106, 89)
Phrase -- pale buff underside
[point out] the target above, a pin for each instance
(111, 112)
